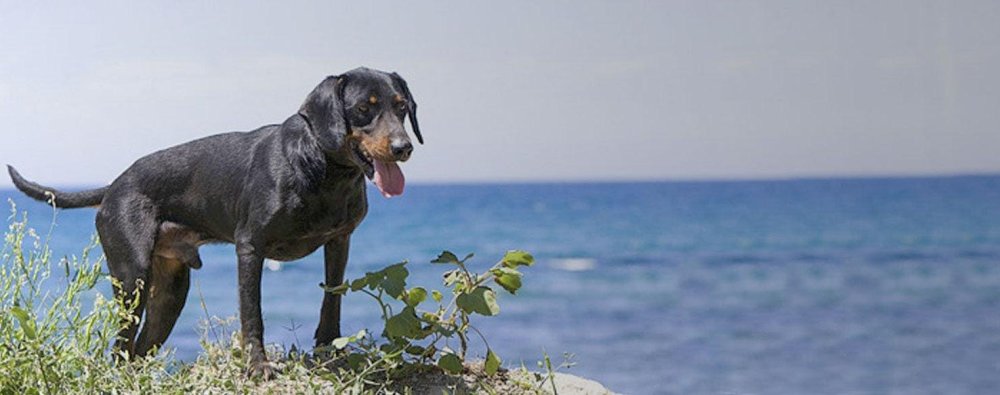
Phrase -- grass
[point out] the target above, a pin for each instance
(56, 329)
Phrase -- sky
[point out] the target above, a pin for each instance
(522, 91)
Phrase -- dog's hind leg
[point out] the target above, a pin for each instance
(127, 228)
(168, 289)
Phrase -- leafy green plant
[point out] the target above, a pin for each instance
(47, 336)
(413, 333)
(57, 326)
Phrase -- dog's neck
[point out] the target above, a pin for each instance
(315, 166)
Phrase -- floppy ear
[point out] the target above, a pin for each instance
(411, 106)
(324, 112)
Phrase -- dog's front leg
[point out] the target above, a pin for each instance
(251, 323)
(335, 256)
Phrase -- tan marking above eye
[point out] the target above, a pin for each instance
(398, 98)
(372, 99)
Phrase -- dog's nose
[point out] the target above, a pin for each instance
(402, 149)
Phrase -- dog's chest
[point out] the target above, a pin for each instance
(309, 225)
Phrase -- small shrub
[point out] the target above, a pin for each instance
(414, 334)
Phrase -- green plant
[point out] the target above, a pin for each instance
(414, 334)
(46, 335)
(56, 328)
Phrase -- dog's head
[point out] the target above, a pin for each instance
(357, 117)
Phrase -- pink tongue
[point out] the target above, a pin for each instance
(388, 178)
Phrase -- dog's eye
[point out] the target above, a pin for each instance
(401, 107)
(363, 109)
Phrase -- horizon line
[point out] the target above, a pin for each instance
(624, 180)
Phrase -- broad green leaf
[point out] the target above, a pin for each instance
(415, 350)
(437, 296)
(27, 324)
(492, 362)
(372, 279)
(356, 285)
(20, 314)
(396, 271)
(515, 258)
(481, 300)
(405, 324)
(415, 296)
(508, 278)
(446, 257)
(391, 348)
(451, 363)
(395, 279)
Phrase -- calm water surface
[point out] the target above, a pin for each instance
(860, 286)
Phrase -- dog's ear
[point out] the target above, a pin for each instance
(411, 106)
(324, 112)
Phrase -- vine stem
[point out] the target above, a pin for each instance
(433, 342)
(481, 336)
(378, 298)
(462, 336)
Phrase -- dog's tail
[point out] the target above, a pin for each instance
(88, 198)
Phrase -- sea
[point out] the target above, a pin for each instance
(813, 286)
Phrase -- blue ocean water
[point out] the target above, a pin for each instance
(834, 286)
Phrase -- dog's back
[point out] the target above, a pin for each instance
(198, 183)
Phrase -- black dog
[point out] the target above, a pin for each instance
(278, 192)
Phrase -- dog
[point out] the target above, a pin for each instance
(278, 192)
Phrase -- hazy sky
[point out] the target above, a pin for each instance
(565, 90)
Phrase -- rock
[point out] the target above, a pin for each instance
(474, 381)
(570, 384)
